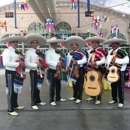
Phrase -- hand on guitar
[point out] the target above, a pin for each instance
(39, 65)
(93, 63)
(75, 61)
(113, 60)
(59, 64)
(21, 63)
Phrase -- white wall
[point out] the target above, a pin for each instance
(24, 19)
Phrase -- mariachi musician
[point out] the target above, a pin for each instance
(55, 59)
(11, 62)
(75, 63)
(119, 58)
(97, 62)
(34, 60)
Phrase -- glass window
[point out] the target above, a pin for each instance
(36, 27)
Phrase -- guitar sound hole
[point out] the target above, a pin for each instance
(92, 78)
(113, 71)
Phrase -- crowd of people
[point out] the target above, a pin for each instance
(79, 66)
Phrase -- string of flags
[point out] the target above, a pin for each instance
(96, 21)
(114, 29)
(73, 5)
(49, 25)
(106, 19)
(24, 5)
(100, 34)
(3, 26)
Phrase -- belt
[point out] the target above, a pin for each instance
(52, 70)
(33, 70)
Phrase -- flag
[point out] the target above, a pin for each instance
(5, 24)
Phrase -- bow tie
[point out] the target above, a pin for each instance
(113, 53)
(38, 51)
(57, 51)
(72, 53)
(92, 51)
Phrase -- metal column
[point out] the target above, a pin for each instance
(15, 19)
(78, 6)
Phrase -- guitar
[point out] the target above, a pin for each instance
(40, 59)
(20, 69)
(94, 85)
(113, 75)
(75, 72)
(58, 74)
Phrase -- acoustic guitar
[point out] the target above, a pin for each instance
(94, 85)
(113, 75)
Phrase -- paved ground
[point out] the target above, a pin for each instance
(66, 115)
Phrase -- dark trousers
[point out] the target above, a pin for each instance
(118, 89)
(99, 97)
(35, 93)
(78, 86)
(55, 86)
(11, 96)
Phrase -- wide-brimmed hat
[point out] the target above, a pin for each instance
(95, 38)
(115, 40)
(13, 38)
(54, 40)
(74, 39)
(35, 37)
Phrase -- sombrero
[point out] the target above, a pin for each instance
(31, 37)
(74, 39)
(95, 38)
(115, 40)
(54, 40)
(13, 38)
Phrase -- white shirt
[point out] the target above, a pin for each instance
(9, 59)
(123, 61)
(80, 62)
(98, 63)
(52, 58)
(31, 59)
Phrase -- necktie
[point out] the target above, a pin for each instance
(93, 57)
(114, 53)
